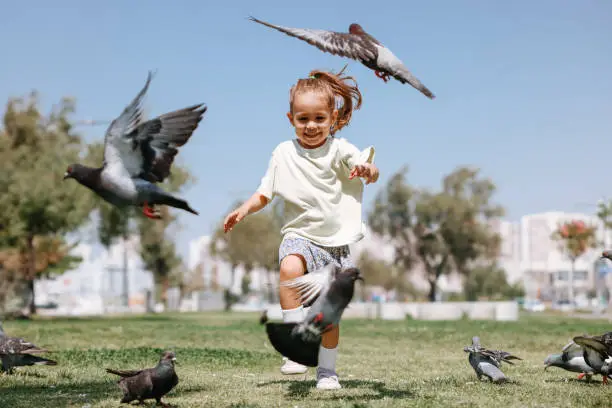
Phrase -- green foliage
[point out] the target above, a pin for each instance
(253, 242)
(442, 230)
(378, 272)
(489, 281)
(36, 203)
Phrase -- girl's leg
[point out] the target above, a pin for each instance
(292, 266)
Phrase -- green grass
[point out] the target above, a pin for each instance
(226, 361)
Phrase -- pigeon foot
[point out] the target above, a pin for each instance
(382, 75)
(581, 376)
(150, 212)
(605, 380)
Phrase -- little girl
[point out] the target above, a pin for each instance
(315, 176)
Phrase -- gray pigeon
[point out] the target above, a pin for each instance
(487, 362)
(571, 359)
(139, 154)
(333, 290)
(357, 45)
(597, 353)
(149, 383)
(17, 352)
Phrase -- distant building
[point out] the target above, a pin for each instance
(530, 255)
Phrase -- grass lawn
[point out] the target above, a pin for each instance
(226, 361)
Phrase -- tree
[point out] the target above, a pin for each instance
(253, 242)
(36, 203)
(574, 238)
(489, 280)
(442, 230)
(378, 272)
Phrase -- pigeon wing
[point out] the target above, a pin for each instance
(118, 150)
(17, 345)
(160, 138)
(147, 149)
(396, 68)
(592, 343)
(342, 44)
(312, 285)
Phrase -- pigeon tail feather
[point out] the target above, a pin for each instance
(291, 346)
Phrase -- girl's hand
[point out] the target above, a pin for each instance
(368, 171)
(234, 218)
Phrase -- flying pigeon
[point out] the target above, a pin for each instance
(17, 352)
(488, 362)
(357, 45)
(571, 359)
(333, 290)
(149, 383)
(139, 154)
(597, 351)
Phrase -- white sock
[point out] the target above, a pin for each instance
(293, 315)
(327, 358)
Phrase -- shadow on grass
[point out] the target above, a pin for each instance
(61, 395)
(81, 394)
(301, 389)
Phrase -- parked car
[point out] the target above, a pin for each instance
(534, 306)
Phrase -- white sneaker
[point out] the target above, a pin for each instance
(327, 380)
(291, 367)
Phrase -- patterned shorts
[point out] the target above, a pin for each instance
(316, 256)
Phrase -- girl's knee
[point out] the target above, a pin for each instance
(292, 266)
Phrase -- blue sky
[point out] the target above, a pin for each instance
(524, 88)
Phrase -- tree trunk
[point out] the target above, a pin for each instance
(31, 273)
(432, 290)
(125, 292)
(571, 282)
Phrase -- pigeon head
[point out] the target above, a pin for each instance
(553, 360)
(355, 29)
(75, 171)
(168, 357)
(607, 255)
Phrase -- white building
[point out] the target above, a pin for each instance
(530, 255)
(96, 285)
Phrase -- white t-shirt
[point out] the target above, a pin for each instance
(321, 203)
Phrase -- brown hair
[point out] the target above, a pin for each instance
(339, 92)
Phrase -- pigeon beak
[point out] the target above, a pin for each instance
(66, 175)
(174, 360)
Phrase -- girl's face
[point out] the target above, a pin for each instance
(312, 118)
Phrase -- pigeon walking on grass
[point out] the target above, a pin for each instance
(333, 290)
(571, 359)
(597, 353)
(149, 383)
(139, 154)
(358, 45)
(487, 362)
(17, 352)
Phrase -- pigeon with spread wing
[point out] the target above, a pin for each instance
(333, 290)
(487, 362)
(138, 154)
(18, 352)
(357, 45)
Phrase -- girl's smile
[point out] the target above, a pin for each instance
(312, 118)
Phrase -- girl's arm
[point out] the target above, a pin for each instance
(255, 203)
